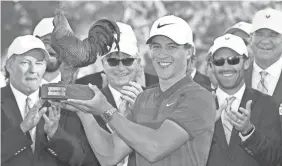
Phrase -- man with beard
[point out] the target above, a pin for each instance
(246, 117)
(43, 31)
(169, 124)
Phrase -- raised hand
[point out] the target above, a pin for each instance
(52, 121)
(33, 116)
(241, 120)
(129, 93)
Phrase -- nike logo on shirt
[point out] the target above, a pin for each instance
(159, 26)
(169, 104)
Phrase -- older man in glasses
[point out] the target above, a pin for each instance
(121, 69)
(244, 115)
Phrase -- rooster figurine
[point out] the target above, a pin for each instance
(76, 53)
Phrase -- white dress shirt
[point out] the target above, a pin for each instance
(117, 97)
(274, 72)
(21, 101)
(222, 96)
(55, 80)
(193, 73)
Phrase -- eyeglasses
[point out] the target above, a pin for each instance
(233, 60)
(125, 62)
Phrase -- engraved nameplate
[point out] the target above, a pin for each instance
(57, 91)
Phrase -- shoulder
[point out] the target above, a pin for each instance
(194, 90)
(6, 92)
(195, 97)
(263, 100)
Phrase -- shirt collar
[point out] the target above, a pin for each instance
(20, 97)
(193, 73)
(183, 82)
(223, 95)
(274, 69)
(116, 94)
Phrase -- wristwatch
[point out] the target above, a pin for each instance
(108, 114)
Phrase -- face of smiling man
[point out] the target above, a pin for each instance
(266, 45)
(169, 59)
(26, 70)
(229, 77)
(120, 74)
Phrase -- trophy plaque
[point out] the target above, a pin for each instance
(55, 91)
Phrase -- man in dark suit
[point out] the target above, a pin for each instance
(265, 73)
(26, 138)
(121, 70)
(245, 116)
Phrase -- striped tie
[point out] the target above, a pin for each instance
(227, 126)
(32, 132)
(262, 86)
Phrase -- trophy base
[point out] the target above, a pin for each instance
(59, 91)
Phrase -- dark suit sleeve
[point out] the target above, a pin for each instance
(69, 144)
(264, 143)
(13, 142)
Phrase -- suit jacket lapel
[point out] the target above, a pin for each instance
(278, 91)
(12, 111)
(10, 107)
(108, 94)
(249, 94)
(219, 135)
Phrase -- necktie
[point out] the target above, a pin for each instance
(28, 105)
(262, 86)
(32, 131)
(122, 110)
(227, 126)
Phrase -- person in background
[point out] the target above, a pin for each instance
(245, 117)
(264, 73)
(122, 69)
(27, 138)
(169, 124)
(43, 31)
(198, 77)
(243, 30)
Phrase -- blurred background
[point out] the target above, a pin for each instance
(208, 20)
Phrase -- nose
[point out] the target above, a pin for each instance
(226, 65)
(163, 52)
(120, 66)
(32, 68)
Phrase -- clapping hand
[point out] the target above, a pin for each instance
(52, 121)
(33, 116)
(130, 92)
(241, 119)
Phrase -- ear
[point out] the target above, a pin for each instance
(247, 63)
(189, 53)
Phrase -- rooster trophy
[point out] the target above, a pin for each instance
(75, 53)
